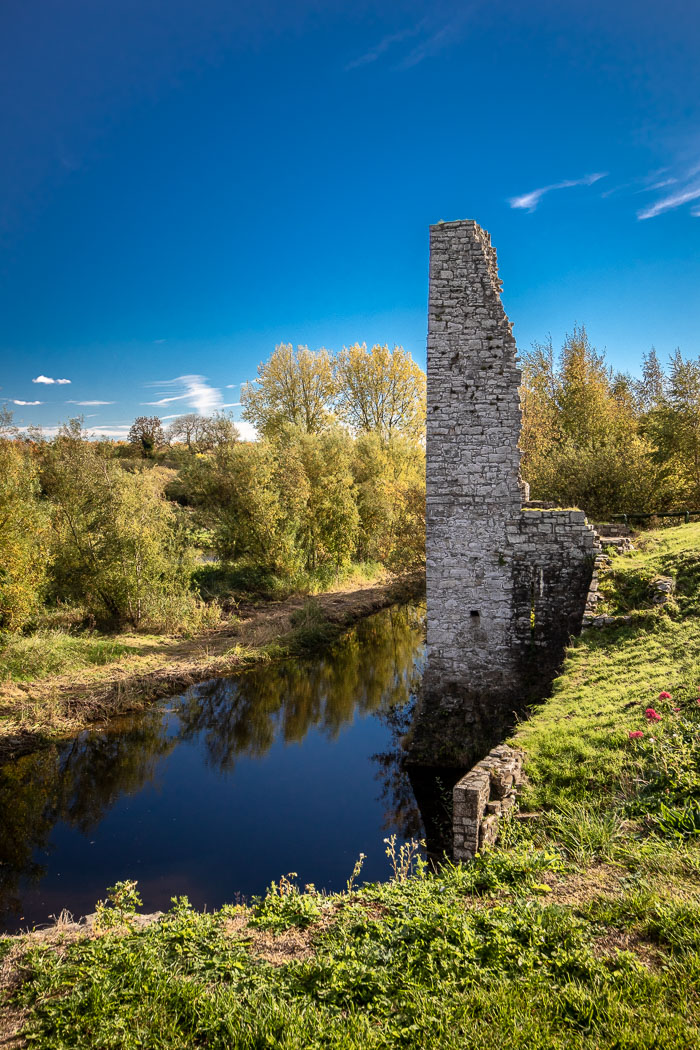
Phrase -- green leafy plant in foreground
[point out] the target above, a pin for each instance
(409, 963)
(286, 905)
(119, 906)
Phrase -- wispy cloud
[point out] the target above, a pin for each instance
(688, 190)
(677, 182)
(48, 381)
(91, 402)
(435, 41)
(659, 185)
(431, 35)
(194, 391)
(16, 402)
(529, 201)
(383, 45)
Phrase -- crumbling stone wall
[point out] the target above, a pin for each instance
(481, 797)
(506, 586)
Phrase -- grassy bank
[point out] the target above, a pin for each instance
(581, 929)
(56, 682)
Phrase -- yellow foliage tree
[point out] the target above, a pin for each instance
(381, 390)
(293, 386)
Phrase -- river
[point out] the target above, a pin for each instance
(290, 767)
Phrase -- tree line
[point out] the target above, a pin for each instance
(605, 441)
(335, 477)
(119, 530)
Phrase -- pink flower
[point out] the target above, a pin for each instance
(676, 708)
(664, 696)
(636, 734)
(652, 715)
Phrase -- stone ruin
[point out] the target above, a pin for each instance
(507, 580)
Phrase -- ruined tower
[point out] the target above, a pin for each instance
(506, 583)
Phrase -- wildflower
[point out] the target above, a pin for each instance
(636, 734)
(652, 715)
(676, 708)
(664, 696)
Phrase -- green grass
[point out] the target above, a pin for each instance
(245, 579)
(578, 742)
(24, 658)
(580, 930)
(411, 963)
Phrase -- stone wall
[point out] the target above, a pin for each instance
(484, 795)
(506, 586)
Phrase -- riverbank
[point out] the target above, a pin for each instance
(580, 929)
(146, 668)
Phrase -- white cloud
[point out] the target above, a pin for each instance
(109, 430)
(231, 386)
(16, 402)
(194, 391)
(246, 430)
(529, 201)
(49, 381)
(660, 185)
(673, 200)
(90, 402)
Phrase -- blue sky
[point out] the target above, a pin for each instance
(185, 184)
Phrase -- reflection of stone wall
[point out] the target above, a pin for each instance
(506, 586)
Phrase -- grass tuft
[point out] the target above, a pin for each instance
(24, 658)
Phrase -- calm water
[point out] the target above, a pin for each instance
(214, 793)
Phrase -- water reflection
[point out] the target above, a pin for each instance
(76, 785)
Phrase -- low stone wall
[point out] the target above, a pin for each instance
(483, 795)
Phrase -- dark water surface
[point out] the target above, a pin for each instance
(293, 766)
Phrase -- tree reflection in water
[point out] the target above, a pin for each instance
(374, 668)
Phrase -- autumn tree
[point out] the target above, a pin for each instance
(390, 492)
(236, 494)
(118, 546)
(146, 433)
(581, 439)
(24, 533)
(381, 390)
(321, 503)
(673, 425)
(293, 386)
(651, 388)
(201, 433)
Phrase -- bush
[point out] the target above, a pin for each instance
(24, 524)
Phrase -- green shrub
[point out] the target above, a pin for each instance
(285, 905)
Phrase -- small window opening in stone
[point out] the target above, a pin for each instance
(474, 612)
